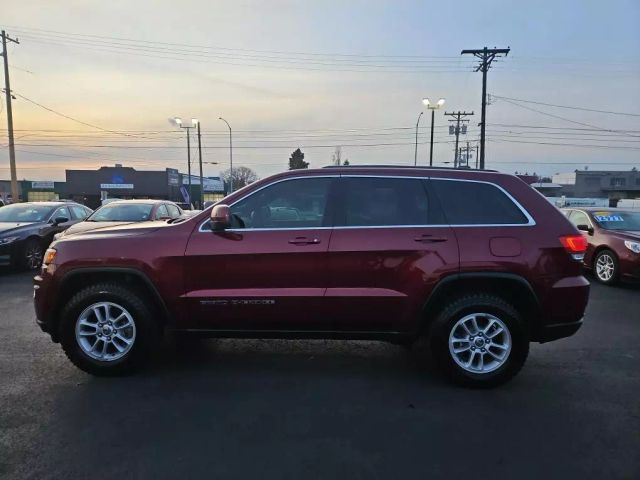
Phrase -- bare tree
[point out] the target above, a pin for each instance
(336, 158)
(242, 176)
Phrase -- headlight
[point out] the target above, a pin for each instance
(633, 246)
(6, 240)
(49, 256)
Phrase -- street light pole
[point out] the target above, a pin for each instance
(433, 107)
(230, 155)
(178, 122)
(200, 162)
(415, 157)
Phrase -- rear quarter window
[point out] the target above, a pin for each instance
(477, 203)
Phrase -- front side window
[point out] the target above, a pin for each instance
(383, 202)
(123, 212)
(61, 212)
(476, 203)
(174, 212)
(298, 203)
(579, 218)
(80, 212)
(162, 212)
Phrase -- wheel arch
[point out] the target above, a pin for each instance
(513, 288)
(79, 278)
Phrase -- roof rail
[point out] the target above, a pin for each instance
(408, 167)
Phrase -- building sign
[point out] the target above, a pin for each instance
(121, 186)
(211, 184)
(46, 184)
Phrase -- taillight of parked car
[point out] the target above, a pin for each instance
(575, 245)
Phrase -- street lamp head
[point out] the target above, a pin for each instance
(426, 102)
(440, 102)
(194, 121)
(178, 120)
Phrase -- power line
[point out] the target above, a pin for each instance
(567, 107)
(71, 118)
(568, 119)
(26, 30)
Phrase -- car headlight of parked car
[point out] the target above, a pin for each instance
(633, 246)
(7, 240)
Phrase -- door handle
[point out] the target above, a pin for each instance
(430, 239)
(304, 241)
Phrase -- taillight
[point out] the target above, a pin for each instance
(575, 245)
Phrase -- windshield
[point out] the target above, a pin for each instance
(612, 220)
(23, 213)
(132, 212)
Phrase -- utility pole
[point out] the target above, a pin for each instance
(467, 154)
(486, 56)
(458, 117)
(7, 91)
(477, 156)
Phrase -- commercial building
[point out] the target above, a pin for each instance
(90, 187)
(33, 190)
(613, 185)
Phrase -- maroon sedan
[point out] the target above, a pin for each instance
(613, 236)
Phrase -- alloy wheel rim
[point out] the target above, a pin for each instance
(605, 267)
(33, 255)
(105, 331)
(480, 343)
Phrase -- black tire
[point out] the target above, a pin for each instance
(616, 268)
(30, 256)
(146, 330)
(461, 307)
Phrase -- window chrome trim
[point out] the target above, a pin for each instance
(530, 221)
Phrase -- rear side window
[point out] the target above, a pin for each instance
(475, 203)
(383, 202)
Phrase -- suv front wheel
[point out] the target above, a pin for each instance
(479, 341)
(106, 330)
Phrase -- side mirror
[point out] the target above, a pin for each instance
(58, 220)
(585, 228)
(220, 218)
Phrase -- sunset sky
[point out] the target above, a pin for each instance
(317, 75)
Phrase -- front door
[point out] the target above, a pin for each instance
(389, 248)
(269, 271)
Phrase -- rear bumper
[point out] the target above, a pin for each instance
(558, 330)
(562, 309)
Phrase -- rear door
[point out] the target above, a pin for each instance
(269, 271)
(389, 248)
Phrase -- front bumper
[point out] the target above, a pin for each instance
(44, 294)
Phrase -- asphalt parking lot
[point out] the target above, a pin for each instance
(315, 409)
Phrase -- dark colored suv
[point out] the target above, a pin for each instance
(478, 263)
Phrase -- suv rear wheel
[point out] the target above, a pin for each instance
(479, 341)
(107, 330)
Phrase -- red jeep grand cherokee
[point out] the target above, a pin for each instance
(477, 262)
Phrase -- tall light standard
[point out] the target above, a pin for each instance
(433, 107)
(415, 157)
(188, 128)
(230, 156)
